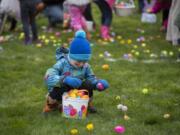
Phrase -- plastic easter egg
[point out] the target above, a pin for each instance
(143, 44)
(105, 67)
(118, 97)
(72, 95)
(126, 117)
(119, 129)
(100, 86)
(57, 34)
(124, 108)
(135, 46)
(137, 53)
(122, 42)
(171, 53)
(145, 91)
(166, 116)
(74, 132)
(39, 45)
(46, 41)
(129, 41)
(119, 106)
(101, 55)
(119, 37)
(85, 97)
(90, 127)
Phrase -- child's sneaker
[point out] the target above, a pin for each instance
(27, 41)
(50, 105)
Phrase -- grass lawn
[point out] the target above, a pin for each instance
(153, 66)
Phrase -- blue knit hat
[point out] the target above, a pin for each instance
(80, 49)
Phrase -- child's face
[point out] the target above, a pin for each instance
(77, 63)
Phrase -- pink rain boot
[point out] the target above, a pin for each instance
(111, 2)
(105, 32)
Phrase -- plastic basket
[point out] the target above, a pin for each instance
(124, 11)
(148, 18)
(75, 107)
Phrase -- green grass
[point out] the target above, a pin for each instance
(23, 91)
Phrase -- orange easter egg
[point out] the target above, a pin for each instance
(105, 67)
(85, 97)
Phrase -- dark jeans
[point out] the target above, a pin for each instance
(28, 19)
(105, 9)
(57, 92)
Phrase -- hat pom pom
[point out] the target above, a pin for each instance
(80, 34)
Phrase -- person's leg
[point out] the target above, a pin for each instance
(88, 13)
(32, 11)
(54, 98)
(141, 5)
(75, 14)
(25, 21)
(106, 18)
(90, 87)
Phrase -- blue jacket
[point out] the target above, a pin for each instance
(55, 75)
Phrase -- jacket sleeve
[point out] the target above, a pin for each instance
(89, 75)
(53, 76)
(177, 20)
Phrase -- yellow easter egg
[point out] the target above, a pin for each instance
(74, 131)
(72, 95)
(129, 41)
(90, 127)
(122, 42)
(105, 67)
(119, 37)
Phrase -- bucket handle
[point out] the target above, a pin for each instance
(84, 91)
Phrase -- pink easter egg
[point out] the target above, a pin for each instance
(119, 129)
(100, 86)
(57, 34)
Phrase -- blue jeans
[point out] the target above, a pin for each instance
(54, 14)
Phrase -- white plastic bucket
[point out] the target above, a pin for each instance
(148, 18)
(89, 25)
(74, 107)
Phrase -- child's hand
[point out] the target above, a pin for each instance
(102, 85)
(149, 10)
(72, 82)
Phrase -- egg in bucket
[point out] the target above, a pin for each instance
(75, 104)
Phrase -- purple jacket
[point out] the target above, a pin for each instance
(161, 5)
